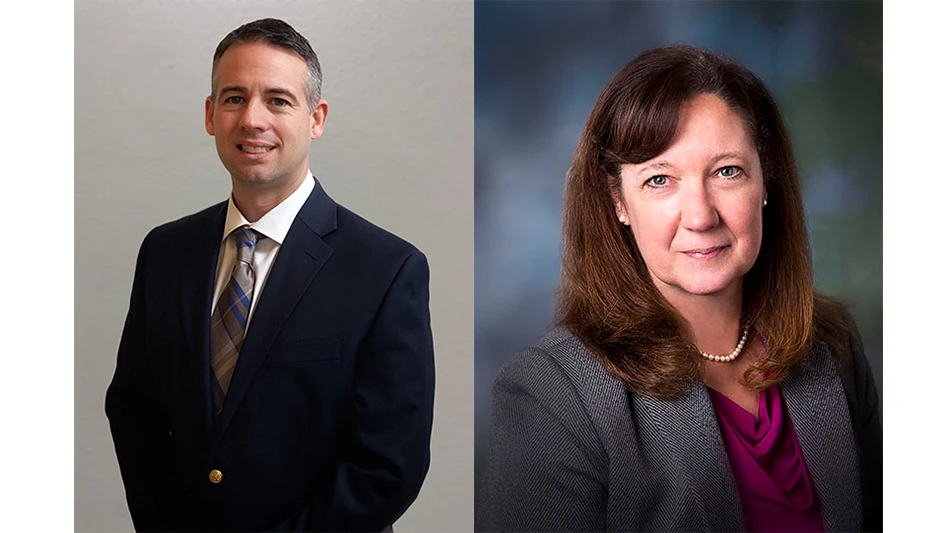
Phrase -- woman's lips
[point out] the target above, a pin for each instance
(705, 253)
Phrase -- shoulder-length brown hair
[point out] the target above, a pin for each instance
(606, 296)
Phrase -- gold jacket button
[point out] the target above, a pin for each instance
(215, 476)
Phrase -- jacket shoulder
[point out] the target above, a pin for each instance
(559, 372)
(166, 237)
(563, 353)
(186, 225)
(357, 236)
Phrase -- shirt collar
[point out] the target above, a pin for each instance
(275, 224)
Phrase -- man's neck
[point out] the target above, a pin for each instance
(254, 203)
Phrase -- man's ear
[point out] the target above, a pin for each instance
(209, 116)
(318, 119)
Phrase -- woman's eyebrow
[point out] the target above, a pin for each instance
(654, 165)
(729, 154)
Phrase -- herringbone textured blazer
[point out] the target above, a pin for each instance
(572, 450)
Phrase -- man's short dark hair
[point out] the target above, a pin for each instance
(275, 32)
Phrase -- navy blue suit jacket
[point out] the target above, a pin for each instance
(327, 421)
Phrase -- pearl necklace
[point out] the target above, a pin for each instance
(733, 355)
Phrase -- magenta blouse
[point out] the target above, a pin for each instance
(772, 480)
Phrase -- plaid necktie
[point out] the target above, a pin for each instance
(229, 320)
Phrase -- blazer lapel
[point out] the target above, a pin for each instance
(198, 267)
(299, 260)
(686, 430)
(817, 406)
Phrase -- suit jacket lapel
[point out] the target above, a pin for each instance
(300, 258)
(198, 262)
(686, 429)
(819, 413)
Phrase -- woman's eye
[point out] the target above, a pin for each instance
(657, 181)
(729, 172)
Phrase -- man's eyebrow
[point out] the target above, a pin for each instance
(282, 91)
(233, 88)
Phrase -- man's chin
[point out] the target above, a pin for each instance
(253, 180)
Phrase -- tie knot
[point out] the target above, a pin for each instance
(246, 239)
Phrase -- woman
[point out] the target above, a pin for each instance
(697, 382)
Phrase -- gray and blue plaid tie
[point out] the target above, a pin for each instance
(229, 320)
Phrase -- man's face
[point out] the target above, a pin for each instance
(259, 117)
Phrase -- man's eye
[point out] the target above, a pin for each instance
(730, 172)
(232, 100)
(657, 181)
(280, 102)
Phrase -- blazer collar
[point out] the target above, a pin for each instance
(817, 405)
(319, 212)
(818, 410)
(692, 437)
(299, 260)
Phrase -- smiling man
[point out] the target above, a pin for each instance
(276, 369)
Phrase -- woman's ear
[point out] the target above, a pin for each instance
(621, 212)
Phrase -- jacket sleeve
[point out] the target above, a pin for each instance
(544, 464)
(140, 428)
(863, 400)
(386, 445)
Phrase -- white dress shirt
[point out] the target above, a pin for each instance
(272, 228)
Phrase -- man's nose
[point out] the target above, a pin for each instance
(254, 115)
(698, 212)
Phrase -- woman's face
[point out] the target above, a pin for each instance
(696, 209)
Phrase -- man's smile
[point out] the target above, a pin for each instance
(255, 148)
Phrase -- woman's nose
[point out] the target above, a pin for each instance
(697, 209)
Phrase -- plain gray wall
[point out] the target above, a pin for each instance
(397, 149)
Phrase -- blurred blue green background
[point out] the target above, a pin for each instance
(539, 67)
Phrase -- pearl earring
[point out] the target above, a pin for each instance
(765, 203)
(622, 219)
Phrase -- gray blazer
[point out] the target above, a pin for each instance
(572, 450)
